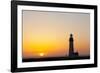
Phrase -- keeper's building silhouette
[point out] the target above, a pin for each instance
(71, 47)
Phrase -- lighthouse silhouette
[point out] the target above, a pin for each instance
(71, 47)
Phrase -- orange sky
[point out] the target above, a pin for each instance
(46, 34)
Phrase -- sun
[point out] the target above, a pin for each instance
(41, 54)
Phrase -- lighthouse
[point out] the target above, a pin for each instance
(71, 47)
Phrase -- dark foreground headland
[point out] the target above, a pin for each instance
(54, 58)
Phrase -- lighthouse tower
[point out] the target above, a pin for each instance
(71, 47)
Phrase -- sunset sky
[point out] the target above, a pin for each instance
(46, 34)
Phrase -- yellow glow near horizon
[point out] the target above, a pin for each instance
(41, 54)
